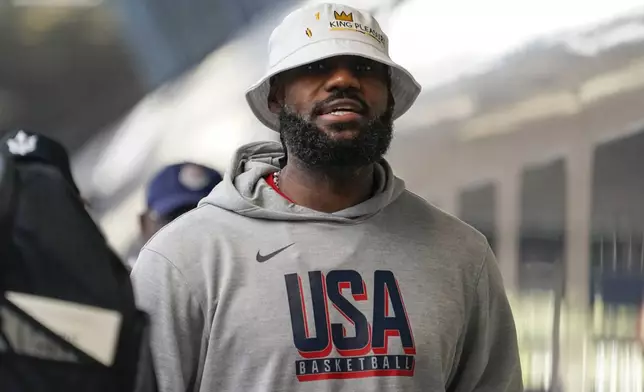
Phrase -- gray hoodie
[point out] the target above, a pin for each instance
(250, 292)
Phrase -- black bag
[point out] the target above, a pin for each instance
(50, 248)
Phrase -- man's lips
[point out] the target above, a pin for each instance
(343, 105)
(342, 110)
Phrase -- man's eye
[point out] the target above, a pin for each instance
(316, 67)
(364, 68)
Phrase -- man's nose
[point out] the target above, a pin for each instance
(341, 78)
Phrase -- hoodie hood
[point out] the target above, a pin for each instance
(245, 191)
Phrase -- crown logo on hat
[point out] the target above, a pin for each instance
(309, 33)
(343, 16)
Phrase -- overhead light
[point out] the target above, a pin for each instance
(546, 105)
(56, 3)
(590, 44)
(557, 104)
(614, 82)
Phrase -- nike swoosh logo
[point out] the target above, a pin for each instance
(262, 259)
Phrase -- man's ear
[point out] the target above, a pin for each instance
(275, 96)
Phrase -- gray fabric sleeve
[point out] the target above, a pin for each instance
(177, 321)
(490, 357)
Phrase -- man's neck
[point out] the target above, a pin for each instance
(326, 190)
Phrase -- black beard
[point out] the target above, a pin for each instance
(314, 148)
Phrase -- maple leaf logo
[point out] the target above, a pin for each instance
(22, 144)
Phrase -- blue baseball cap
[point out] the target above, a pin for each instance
(180, 185)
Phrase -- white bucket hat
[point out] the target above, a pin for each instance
(321, 31)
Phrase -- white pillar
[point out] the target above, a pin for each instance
(508, 214)
(449, 202)
(577, 353)
(578, 222)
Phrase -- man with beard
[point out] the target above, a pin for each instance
(240, 289)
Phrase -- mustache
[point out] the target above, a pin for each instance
(319, 107)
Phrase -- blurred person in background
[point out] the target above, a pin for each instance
(31, 146)
(173, 191)
(54, 260)
(239, 289)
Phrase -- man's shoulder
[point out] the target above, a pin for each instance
(187, 235)
(442, 225)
